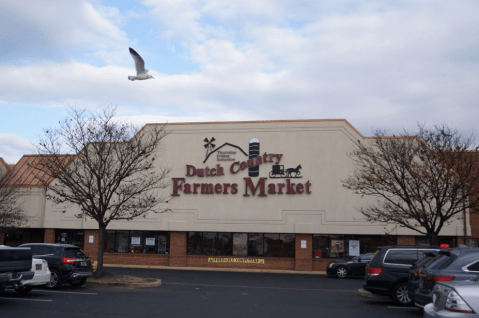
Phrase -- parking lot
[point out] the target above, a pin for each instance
(207, 294)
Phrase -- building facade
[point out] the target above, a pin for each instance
(253, 195)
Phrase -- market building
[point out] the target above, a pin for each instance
(253, 195)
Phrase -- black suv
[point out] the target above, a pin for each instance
(455, 264)
(66, 262)
(387, 272)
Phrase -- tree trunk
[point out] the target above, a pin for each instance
(101, 235)
(433, 239)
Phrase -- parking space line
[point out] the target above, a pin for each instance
(62, 292)
(398, 307)
(26, 299)
(262, 287)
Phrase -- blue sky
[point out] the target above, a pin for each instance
(378, 64)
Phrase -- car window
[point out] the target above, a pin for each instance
(444, 262)
(401, 257)
(366, 257)
(74, 252)
(474, 267)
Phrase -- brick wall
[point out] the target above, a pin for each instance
(406, 240)
(91, 249)
(319, 264)
(270, 263)
(49, 235)
(304, 256)
(136, 259)
(178, 249)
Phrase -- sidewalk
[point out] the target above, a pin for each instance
(220, 269)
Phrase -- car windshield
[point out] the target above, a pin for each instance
(74, 252)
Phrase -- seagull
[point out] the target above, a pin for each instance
(140, 67)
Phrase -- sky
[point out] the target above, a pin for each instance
(378, 64)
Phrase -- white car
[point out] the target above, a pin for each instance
(41, 277)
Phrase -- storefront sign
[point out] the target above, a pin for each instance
(234, 260)
(135, 240)
(353, 248)
(150, 241)
(303, 244)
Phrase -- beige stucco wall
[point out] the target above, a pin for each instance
(320, 147)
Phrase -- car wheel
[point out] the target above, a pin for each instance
(401, 296)
(23, 290)
(55, 279)
(342, 272)
(77, 282)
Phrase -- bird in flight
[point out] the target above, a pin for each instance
(140, 67)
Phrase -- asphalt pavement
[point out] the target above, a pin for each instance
(207, 294)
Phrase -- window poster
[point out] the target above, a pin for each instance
(135, 240)
(353, 248)
(337, 247)
(240, 244)
(150, 241)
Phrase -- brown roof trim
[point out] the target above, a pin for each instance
(259, 122)
(3, 163)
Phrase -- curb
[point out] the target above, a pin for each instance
(364, 293)
(219, 269)
(97, 283)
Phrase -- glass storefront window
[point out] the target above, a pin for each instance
(109, 241)
(337, 245)
(70, 236)
(224, 244)
(255, 244)
(136, 241)
(121, 241)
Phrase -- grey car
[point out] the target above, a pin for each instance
(452, 265)
(454, 299)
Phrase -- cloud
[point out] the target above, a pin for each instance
(13, 147)
(52, 29)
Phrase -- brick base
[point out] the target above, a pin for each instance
(49, 235)
(2, 237)
(406, 240)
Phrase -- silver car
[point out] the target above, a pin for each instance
(454, 299)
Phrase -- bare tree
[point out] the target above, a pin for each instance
(422, 181)
(11, 211)
(112, 174)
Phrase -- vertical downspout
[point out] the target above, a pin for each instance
(464, 217)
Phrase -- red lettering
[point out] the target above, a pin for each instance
(218, 188)
(177, 185)
(271, 156)
(243, 165)
(200, 172)
(206, 188)
(290, 187)
(187, 188)
(188, 174)
(265, 157)
(260, 185)
(225, 188)
(280, 188)
(220, 170)
(207, 172)
(234, 188)
(195, 185)
(279, 158)
(299, 188)
(213, 172)
(271, 188)
(257, 161)
(231, 168)
(251, 163)
(308, 184)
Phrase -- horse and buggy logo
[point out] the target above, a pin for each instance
(279, 172)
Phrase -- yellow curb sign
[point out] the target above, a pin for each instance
(234, 260)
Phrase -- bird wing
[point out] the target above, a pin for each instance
(139, 63)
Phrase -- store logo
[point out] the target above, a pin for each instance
(220, 155)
